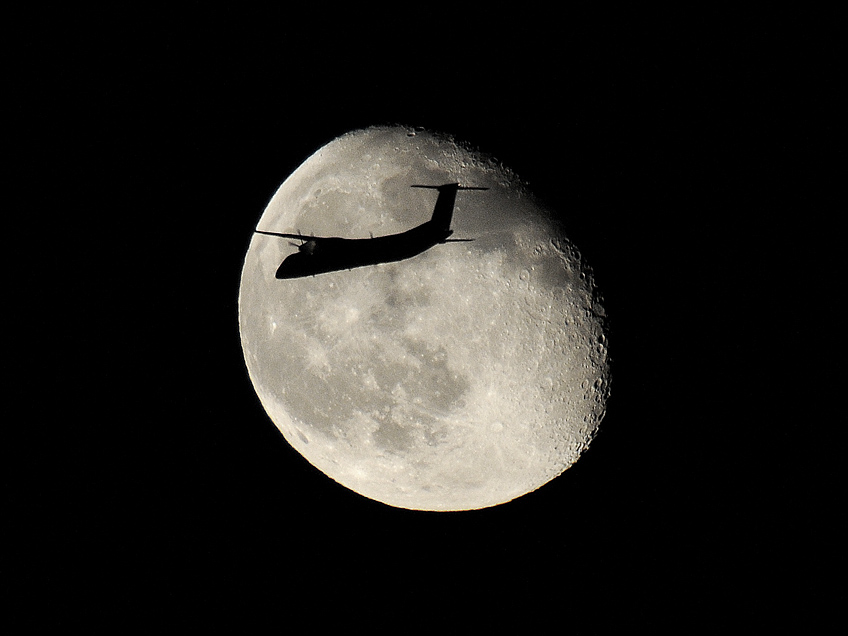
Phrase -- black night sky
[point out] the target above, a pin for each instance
(148, 486)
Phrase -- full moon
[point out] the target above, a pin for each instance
(458, 379)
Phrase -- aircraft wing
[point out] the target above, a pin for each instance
(291, 236)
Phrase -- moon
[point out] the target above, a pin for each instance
(462, 378)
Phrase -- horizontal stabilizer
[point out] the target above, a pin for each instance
(448, 186)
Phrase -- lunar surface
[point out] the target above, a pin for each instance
(461, 378)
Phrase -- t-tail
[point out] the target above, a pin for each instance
(443, 212)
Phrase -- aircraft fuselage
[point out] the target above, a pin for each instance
(330, 254)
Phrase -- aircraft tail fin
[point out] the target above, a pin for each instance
(443, 212)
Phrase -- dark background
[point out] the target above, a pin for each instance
(690, 157)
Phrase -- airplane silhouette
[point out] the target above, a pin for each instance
(318, 254)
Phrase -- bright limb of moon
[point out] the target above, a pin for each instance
(461, 378)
